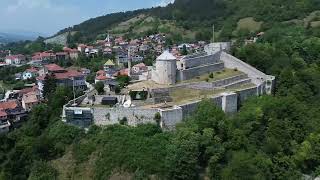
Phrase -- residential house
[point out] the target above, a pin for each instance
(30, 100)
(4, 122)
(139, 68)
(82, 48)
(14, 113)
(73, 53)
(62, 56)
(44, 57)
(101, 76)
(30, 73)
(68, 78)
(85, 71)
(15, 59)
(137, 58)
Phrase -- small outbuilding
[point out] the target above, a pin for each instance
(110, 101)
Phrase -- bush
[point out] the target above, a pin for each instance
(211, 75)
(124, 121)
(43, 171)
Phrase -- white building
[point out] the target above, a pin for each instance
(15, 59)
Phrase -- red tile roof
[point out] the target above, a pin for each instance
(8, 105)
(122, 72)
(32, 70)
(3, 113)
(18, 56)
(61, 53)
(68, 75)
(54, 68)
(101, 77)
(101, 72)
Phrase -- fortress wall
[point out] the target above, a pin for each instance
(246, 93)
(135, 116)
(238, 83)
(198, 71)
(230, 103)
(232, 62)
(201, 60)
(171, 117)
(230, 80)
(188, 109)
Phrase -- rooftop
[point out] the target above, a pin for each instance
(166, 55)
(109, 63)
(54, 67)
(8, 105)
(31, 97)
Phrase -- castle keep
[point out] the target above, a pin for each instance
(174, 87)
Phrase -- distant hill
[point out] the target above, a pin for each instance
(15, 36)
(194, 19)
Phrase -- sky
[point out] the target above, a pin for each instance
(50, 16)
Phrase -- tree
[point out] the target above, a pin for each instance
(43, 171)
(49, 86)
(91, 78)
(123, 81)
(184, 50)
(248, 166)
(183, 155)
(99, 86)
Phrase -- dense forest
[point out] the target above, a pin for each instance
(271, 137)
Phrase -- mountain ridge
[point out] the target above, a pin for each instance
(198, 16)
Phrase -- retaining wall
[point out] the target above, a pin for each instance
(190, 62)
(134, 116)
(191, 73)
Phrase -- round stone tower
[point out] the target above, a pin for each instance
(166, 69)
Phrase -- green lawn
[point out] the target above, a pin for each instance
(216, 76)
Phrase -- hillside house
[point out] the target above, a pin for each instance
(15, 59)
(30, 100)
(68, 78)
(30, 73)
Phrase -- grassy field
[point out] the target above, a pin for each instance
(143, 23)
(185, 95)
(249, 23)
(216, 76)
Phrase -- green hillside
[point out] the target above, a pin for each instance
(197, 17)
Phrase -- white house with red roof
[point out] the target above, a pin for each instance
(15, 59)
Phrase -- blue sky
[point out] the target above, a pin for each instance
(49, 16)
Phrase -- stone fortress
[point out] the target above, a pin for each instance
(173, 88)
